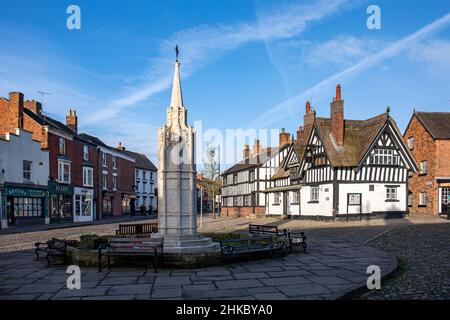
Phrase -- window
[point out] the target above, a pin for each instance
(423, 167)
(144, 175)
(26, 170)
(371, 187)
(423, 199)
(314, 194)
(296, 197)
(87, 177)
(64, 172)
(391, 193)
(62, 146)
(235, 178)
(246, 198)
(83, 205)
(115, 182)
(411, 143)
(104, 159)
(114, 162)
(136, 174)
(319, 160)
(86, 153)
(27, 207)
(384, 157)
(105, 181)
(277, 198)
(252, 175)
(410, 196)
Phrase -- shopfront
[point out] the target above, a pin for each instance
(83, 204)
(61, 202)
(24, 205)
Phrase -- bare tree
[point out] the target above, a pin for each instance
(211, 173)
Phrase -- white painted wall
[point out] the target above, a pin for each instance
(22, 147)
(147, 188)
(325, 205)
(372, 201)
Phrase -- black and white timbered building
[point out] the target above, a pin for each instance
(344, 168)
(244, 183)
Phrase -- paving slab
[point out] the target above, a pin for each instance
(329, 271)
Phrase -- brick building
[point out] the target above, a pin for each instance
(428, 138)
(87, 179)
(115, 180)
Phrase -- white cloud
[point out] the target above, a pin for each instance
(286, 108)
(435, 54)
(203, 44)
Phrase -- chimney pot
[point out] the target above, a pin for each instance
(338, 92)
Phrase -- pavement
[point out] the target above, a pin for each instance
(339, 254)
(331, 270)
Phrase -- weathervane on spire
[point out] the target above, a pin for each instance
(177, 51)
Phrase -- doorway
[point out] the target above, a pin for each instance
(445, 200)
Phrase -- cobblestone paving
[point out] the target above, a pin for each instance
(329, 271)
(424, 254)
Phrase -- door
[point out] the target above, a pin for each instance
(285, 203)
(445, 200)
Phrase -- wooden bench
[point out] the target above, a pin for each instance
(131, 246)
(52, 249)
(293, 238)
(297, 239)
(143, 228)
(248, 245)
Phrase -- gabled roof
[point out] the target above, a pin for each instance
(94, 140)
(254, 161)
(436, 123)
(358, 136)
(281, 173)
(47, 121)
(142, 162)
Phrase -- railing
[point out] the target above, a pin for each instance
(143, 228)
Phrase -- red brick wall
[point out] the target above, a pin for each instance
(424, 150)
(38, 132)
(11, 113)
(242, 211)
(443, 158)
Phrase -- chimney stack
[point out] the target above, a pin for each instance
(34, 106)
(308, 121)
(284, 137)
(246, 151)
(13, 116)
(72, 120)
(256, 147)
(120, 146)
(337, 117)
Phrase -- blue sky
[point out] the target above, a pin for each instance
(245, 64)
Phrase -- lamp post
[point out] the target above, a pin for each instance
(201, 207)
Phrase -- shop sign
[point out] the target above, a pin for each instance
(57, 188)
(21, 192)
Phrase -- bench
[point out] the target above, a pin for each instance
(53, 249)
(297, 239)
(293, 238)
(243, 246)
(143, 228)
(131, 246)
